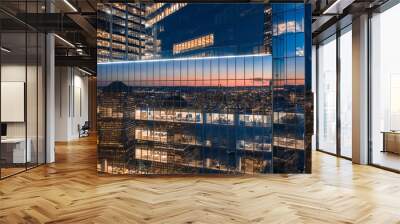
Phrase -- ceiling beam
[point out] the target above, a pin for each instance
(86, 26)
(78, 61)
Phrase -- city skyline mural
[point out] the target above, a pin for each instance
(202, 109)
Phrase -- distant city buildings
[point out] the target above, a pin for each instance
(197, 115)
(116, 132)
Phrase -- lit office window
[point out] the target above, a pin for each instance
(197, 43)
(153, 7)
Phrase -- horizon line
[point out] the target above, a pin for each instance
(181, 59)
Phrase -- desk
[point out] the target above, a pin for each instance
(391, 141)
(13, 150)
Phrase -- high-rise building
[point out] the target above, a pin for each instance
(133, 31)
(116, 131)
(215, 30)
(268, 28)
(239, 113)
(121, 33)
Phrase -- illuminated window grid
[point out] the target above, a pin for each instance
(207, 71)
(151, 134)
(184, 116)
(119, 38)
(154, 7)
(289, 72)
(133, 50)
(120, 6)
(118, 46)
(197, 43)
(135, 42)
(102, 43)
(123, 8)
(103, 34)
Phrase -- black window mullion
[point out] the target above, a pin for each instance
(37, 91)
(317, 97)
(26, 86)
(338, 75)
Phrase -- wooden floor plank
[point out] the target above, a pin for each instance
(70, 191)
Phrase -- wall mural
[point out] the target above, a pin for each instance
(212, 112)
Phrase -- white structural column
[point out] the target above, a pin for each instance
(50, 98)
(64, 97)
(71, 102)
(360, 90)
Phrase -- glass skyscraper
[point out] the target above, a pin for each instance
(208, 29)
(242, 113)
(121, 33)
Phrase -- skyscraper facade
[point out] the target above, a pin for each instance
(197, 115)
(292, 95)
(121, 33)
(206, 29)
(268, 28)
(194, 113)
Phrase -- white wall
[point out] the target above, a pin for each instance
(33, 127)
(14, 73)
(71, 102)
(61, 103)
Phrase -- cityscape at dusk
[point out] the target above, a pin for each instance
(206, 99)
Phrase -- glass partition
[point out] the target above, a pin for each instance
(22, 91)
(15, 151)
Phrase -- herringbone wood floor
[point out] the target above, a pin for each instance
(70, 191)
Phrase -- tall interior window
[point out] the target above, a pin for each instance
(327, 95)
(346, 92)
(385, 89)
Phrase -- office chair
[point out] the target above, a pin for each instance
(84, 130)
